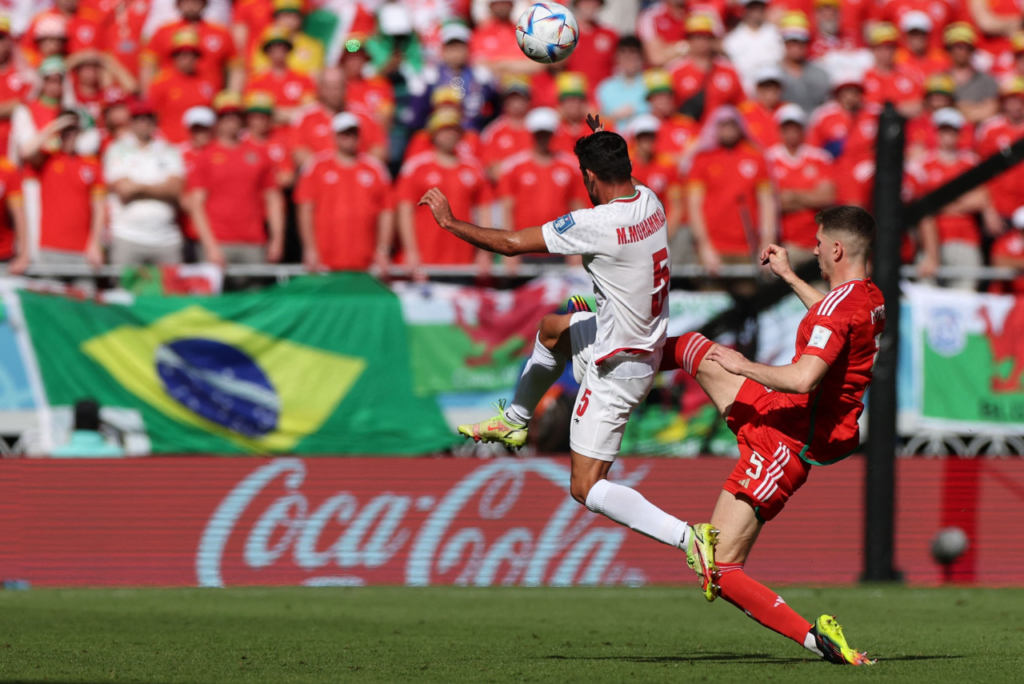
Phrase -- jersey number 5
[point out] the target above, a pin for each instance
(661, 275)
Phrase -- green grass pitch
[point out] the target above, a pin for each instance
(495, 635)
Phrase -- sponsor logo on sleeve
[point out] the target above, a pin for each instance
(563, 223)
(819, 337)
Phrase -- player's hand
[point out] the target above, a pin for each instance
(275, 250)
(777, 259)
(729, 359)
(213, 254)
(595, 123)
(311, 259)
(710, 259)
(94, 254)
(928, 267)
(439, 206)
(19, 264)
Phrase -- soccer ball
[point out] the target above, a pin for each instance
(949, 544)
(547, 32)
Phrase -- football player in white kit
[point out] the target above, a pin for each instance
(624, 245)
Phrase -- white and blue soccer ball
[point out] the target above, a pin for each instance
(547, 32)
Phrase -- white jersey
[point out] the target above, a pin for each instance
(624, 245)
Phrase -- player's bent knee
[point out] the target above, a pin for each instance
(580, 486)
(550, 330)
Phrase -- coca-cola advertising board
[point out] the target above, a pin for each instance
(212, 522)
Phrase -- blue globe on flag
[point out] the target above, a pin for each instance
(547, 32)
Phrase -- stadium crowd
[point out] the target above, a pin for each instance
(157, 131)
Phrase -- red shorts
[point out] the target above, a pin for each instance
(770, 469)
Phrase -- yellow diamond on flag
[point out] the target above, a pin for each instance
(261, 392)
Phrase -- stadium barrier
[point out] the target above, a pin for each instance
(288, 521)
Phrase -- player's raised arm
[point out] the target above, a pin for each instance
(777, 258)
(504, 242)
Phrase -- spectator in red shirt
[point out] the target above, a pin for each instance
(940, 14)
(463, 183)
(234, 193)
(120, 32)
(199, 122)
(75, 25)
(833, 122)
(952, 237)
(97, 78)
(345, 207)
(838, 26)
(218, 48)
(572, 107)
(921, 133)
(661, 27)
(1008, 252)
(46, 37)
(374, 93)
(535, 185)
(702, 81)
(507, 134)
(72, 195)
(999, 132)
(181, 87)
(313, 122)
(494, 44)
(888, 81)
(661, 177)
(759, 112)
(32, 117)
(594, 56)
(918, 51)
(289, 88)
(14, 88)
(276, 140)
(730, 200)
(977, 93)
(803, 177)
(678, 132)
(14, 249)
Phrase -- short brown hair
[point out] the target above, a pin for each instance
(850, 220)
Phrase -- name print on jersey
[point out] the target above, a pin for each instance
(641, 231)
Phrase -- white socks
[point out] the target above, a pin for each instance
(628, 507)
(542, 370)
(811, 644)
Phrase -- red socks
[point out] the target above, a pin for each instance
(760, 603)
(685, 351)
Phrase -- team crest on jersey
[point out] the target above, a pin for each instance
(364, 178)
(810, 171)
(563, 223)
(529, 178)
(251, 158)
(433, 178)
(723, 81)
(87, 175)
(212, 43)
(331, 177)
(561, 177)
(748, 168)
(467, 178)
(292, 90)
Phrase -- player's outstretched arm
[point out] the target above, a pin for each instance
(802, 377)
(777, 258)
(507, 243)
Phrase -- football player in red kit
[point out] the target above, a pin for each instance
(789, 418)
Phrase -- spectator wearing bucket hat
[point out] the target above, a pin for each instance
(572, 108)
(888, 81)
(369, 91)
(804, 181)
(289, 88)
(662, 27)
(977, 93)
(677, 132)
(446, 98)
(14, 84)
(66, 28)
(345, 205)
(474, 86)
(939, 16)
(217, 53)
(539, 183)
(96, 78)
(999, 132)
(145, 176)
(803, 83)
(262, 130)
(306, 54)
(464, 184)
(181, 87)
(921, 131)
(952, 238)
(654, 171)
(759, 111)
(507, 134)
(702, 81)
(754, 43)
(234, 193)
(922, 47)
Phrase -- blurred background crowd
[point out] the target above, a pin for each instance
(170, 131)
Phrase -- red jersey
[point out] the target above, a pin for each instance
(376, 95)
(594, 55)
(932, 62)
(121, 32)
(503, 138)
(313, 130)
(540, 192)
(730, 179)
(10, 192)
(256, 16)
(937, 171)
(675, 137)
(189, 155)
(922, 132)
(234, 179)
(842, 330)
(808, 169)
(941, 12)
(1008, 247)
(347, 200)
(464, 185)
(495, 41)
(902, 84)
(567, 134)
(853, 16)
(67, 185)
(468, 146)
(669, 25)
(1007, 189)
(218, 48)
(82, 31)
(841, 132)
(278, 147)
(663, 179)
(761, 125)
(172, 94)
(12, 87)
(290, 89)
(722, 86)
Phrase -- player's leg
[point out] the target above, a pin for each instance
(605, 401)
(687, 352)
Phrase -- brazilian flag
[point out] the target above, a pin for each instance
(317, 366)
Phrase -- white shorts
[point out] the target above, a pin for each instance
(608, 393)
